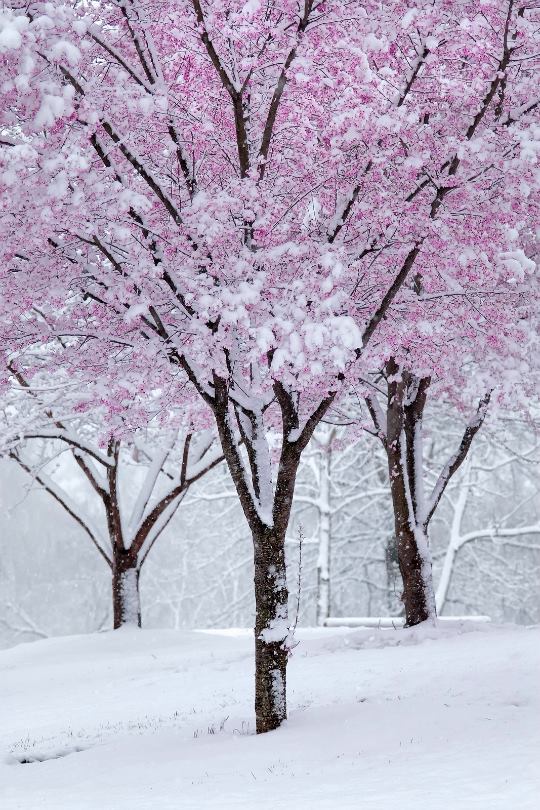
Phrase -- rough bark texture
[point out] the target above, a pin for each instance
(125, 590)
(402, 441)
(271, 622)
(402, 417)
(416, 583)
(410, 560)
(271, 595)
(267, 510)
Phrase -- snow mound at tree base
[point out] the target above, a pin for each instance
(442, 717)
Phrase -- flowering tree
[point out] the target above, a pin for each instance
(157, 468)
(466, 344)
(241, 192)
(399, 426)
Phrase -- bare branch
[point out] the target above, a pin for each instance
(61, 498)
(458, 458)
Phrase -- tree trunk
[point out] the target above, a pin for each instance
(412, 544)
(446, 576)
(417, 579)
(413, 552)
(267, 510)
(454, 543)
(325, 529)
(323, 585)
(271, 629)
(392, 568)
(125, 590)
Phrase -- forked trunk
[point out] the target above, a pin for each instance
(267, 510)
(403, 433)
(271, 630)
(125, 591)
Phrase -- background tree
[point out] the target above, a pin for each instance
(161, 467)
(341, 504)
(200, 573)
(400, 428)
(493, 507)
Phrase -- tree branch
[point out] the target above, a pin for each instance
(61, 498)
(458, 458)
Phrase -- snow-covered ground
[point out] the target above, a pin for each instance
(445, 719)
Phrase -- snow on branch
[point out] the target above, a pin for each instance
(454, 463)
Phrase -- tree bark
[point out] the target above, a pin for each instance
(267, 510)
(270, 579)
(414, 568)
(125, 590)
(411, 538)
(392, 567)
(415, 571)
(271, 629)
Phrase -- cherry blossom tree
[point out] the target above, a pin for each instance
(242, 192)
(139, 479)
(399, 426)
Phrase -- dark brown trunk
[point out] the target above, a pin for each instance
(125, 590)
(271, 629)
(271, 594)
(125, 568)
(414, 567)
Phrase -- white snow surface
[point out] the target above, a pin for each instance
(440, 717)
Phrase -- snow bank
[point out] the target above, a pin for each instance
(444, 718)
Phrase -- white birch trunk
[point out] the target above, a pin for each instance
(325, 529)
(455, 539)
